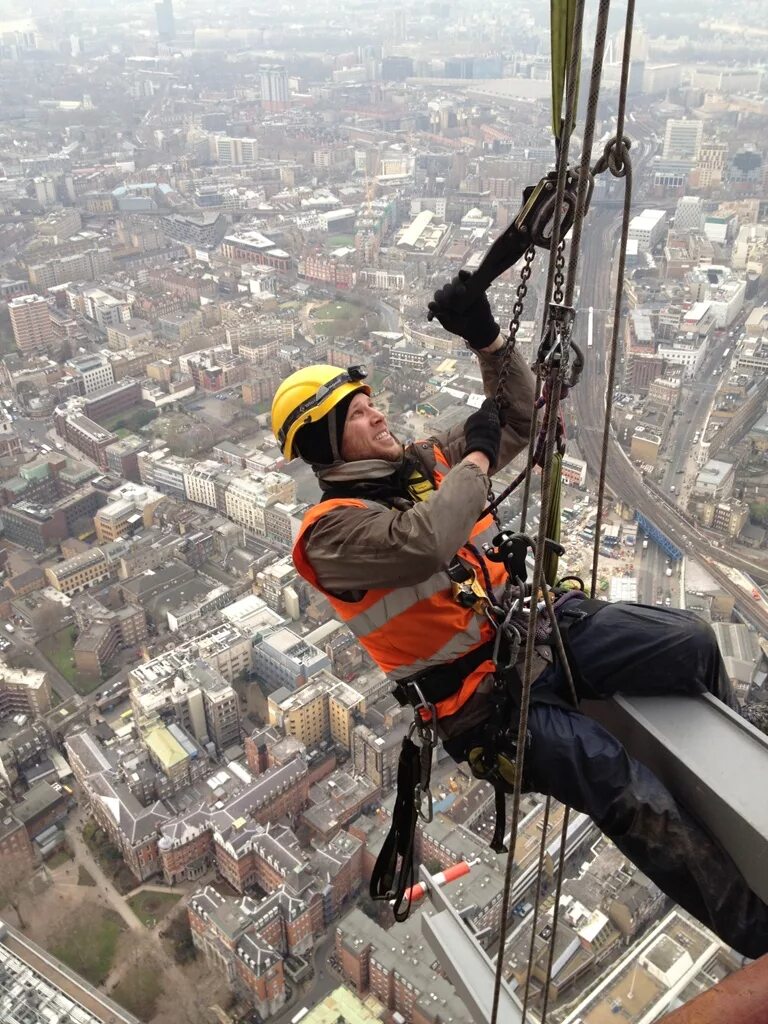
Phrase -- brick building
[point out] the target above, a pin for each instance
(17, 855)
(230, 836)
(393, 968)
(225, 933)
(84, 434)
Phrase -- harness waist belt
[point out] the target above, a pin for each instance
(442, 681)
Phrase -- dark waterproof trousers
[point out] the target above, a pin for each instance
(642, 651)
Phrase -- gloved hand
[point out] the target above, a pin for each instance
(482, 431)
(461, 313)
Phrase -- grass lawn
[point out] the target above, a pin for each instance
(337, 311)
(130, 420)
(84, 877)
(60, 857)
(87, 942)
(149, 907)
(336, 241)
(123, 432)
(139, 989)
(57, 648)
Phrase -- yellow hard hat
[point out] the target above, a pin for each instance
(308, 395)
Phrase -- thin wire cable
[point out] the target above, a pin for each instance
(618, 160)
(536, 904)
(555, 913)
(559, 646)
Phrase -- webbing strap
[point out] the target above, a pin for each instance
(442, 681)
(562, 13)
(500, 810)
(553, 514)
(572, 613)
(390, 880)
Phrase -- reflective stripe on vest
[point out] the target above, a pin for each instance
(408, 629)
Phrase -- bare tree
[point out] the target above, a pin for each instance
(15, 874)
(49, 618)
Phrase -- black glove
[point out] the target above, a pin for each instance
(461, 313)
(482, 431)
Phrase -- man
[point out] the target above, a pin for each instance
(396, 547)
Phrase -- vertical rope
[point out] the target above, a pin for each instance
(532, 435)
(586, 149)
(563, 148)
(525, 700)
(552, 423)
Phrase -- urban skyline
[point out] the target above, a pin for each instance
(198, 761)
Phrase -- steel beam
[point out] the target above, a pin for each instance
(466, 964)
(709, 757)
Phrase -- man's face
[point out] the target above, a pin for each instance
(366, 435)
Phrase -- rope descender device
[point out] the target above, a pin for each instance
(557, 346)
(537, 215)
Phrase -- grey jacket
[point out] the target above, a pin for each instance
(353, 549)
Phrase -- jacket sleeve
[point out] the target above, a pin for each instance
(362, 548)
(519, 394)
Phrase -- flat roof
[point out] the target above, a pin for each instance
(166, 748)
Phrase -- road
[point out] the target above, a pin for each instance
(693, 413)
(653, 584)
(322, 984)
(588, 404)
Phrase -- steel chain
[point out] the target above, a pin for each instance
(514, 324)
(559, 279)
(522, 291)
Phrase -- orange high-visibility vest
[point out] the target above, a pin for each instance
(409, 629)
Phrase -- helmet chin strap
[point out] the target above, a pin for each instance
(333, 436)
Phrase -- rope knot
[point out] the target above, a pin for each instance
(617, 156)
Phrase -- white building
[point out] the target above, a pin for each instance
(723, 290)
(236, 151)
(574, 471)
(104, 309)
(687, 351)
(92, 372)
(715, 479)
(648, 229)
(689, 214)
(200, 483)
(252, 616)
(753, 357)
(247, 498)
(682, 139)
